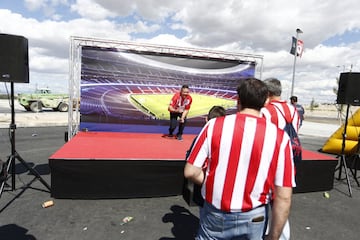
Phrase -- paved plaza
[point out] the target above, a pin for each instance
(313, 216)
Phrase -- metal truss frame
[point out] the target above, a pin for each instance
(76, 44)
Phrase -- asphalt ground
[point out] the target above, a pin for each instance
(313, 216)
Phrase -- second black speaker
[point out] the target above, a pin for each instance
(349, 89)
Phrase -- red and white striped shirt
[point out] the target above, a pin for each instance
(179, 102)
(272, 113)
(247, 156)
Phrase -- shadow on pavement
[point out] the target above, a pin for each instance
(13, 231)
(42, 169)
(185, 223)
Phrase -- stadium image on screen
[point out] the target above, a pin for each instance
(125, 90)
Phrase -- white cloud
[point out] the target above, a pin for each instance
(265, 24)
(152, 10)
(92, 10)
(42, 62)
(259, 27)
(49, 43)
(140, 27)
(48, 7)
(167, 40)
(33, 5)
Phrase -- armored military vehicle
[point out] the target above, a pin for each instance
(43, 98)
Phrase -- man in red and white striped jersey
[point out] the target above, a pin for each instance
(248, 157)
(276, 111)
(179, 107)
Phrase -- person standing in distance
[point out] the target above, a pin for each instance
(248, 158)
(299, 108)
(277, 111)
(276, 108)
(179, 109)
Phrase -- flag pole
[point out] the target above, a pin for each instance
(298, 30)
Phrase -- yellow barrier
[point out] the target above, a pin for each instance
(334, 143)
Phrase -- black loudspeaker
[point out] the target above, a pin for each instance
(14, 59)
(349, 89)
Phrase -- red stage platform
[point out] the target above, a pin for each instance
(127, 165)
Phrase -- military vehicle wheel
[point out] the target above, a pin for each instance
(36, 106)
(63, 107)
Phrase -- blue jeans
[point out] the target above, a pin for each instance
(216, 224)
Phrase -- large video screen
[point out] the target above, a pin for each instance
(129, 91)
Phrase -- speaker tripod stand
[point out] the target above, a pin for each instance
(10, 164)
(342, 161)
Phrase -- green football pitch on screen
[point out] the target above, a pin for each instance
(156, 105)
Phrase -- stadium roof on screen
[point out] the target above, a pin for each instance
(181, 56)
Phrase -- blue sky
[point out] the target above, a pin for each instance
(330, 33)
(18, 6)
(345, 38)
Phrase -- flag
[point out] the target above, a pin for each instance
(300, 47)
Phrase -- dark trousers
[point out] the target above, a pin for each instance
(173, 123)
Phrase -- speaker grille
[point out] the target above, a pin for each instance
(349, 89)
(14, 59)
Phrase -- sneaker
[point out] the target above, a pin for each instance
(179, 137)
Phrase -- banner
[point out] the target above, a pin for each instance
(299, 46)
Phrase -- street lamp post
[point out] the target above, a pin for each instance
(298, 30)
